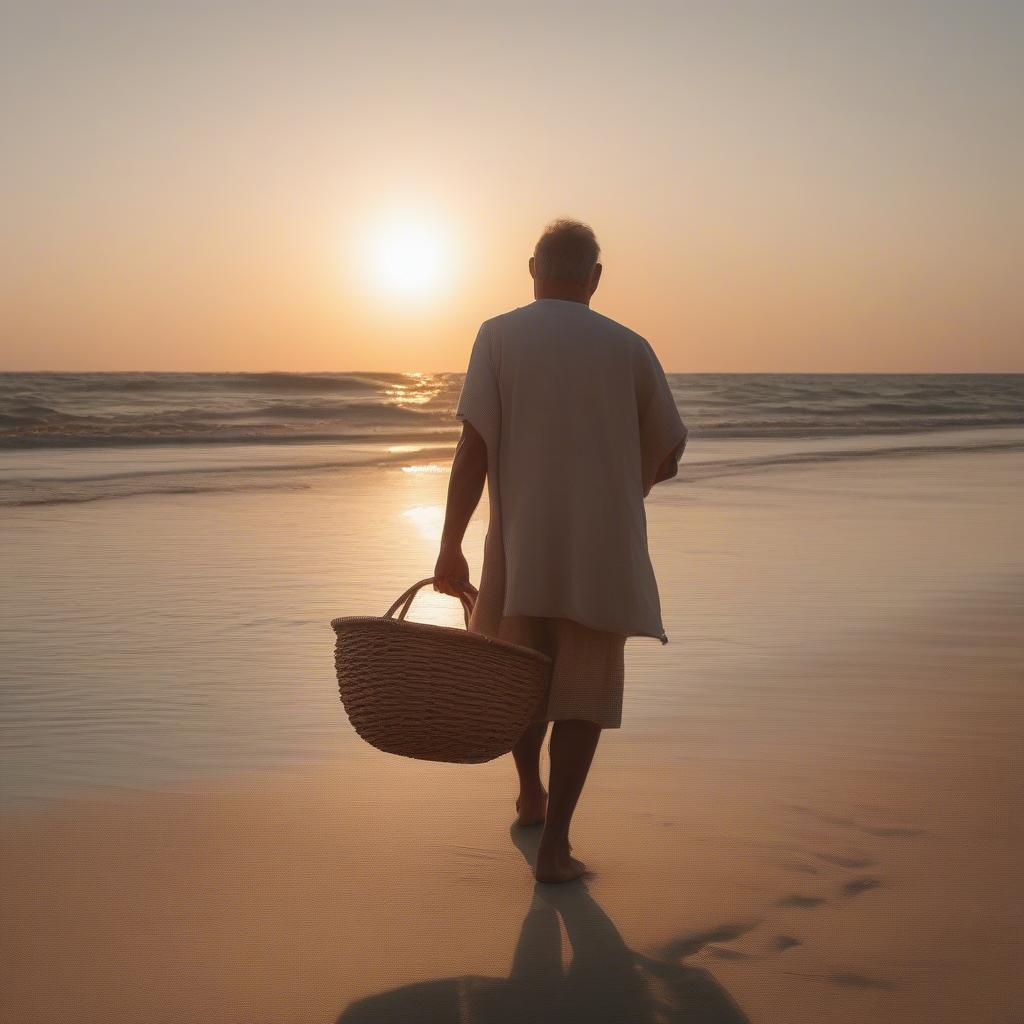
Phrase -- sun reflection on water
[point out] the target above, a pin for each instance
(428, 520)
(420, 389)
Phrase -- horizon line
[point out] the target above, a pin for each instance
(693, 373)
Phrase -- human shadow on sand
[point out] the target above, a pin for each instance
(606, 982)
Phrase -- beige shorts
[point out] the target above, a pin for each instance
(588, 667)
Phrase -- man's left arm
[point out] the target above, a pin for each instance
(469, 471)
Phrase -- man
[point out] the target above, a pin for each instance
(569, 418)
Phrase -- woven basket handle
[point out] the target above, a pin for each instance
(467, 597)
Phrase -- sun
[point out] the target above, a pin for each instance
(408, 257)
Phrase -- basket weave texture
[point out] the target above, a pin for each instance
(433, 692)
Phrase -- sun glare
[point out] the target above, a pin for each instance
(408, 257)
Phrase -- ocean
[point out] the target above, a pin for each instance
(68, 437)
(174, 547)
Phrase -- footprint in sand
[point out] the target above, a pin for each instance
(850, 859)
(804, 902)
(856, 886)
(687, 945)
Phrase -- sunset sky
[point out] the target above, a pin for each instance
(299, 186)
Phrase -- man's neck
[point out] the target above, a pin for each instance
(561, 290)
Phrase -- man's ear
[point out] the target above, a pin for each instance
(533, 269)
(595, 277)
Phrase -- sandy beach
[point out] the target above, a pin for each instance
(811, 812)
(798, 885)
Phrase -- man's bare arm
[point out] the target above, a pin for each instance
(469, 471)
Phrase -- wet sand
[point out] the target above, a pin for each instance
(811, 815)
(790, 887)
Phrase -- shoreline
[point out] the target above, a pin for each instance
(87, 473)
(443, 430)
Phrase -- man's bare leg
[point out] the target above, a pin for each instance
(573, 743)
(532, 802)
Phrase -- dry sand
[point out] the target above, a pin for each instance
(770, 883)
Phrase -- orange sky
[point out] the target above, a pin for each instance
(776, 187)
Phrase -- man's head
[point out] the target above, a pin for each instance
(564, 262)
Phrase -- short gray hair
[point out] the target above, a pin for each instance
(567, 251)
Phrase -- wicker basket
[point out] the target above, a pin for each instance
(436, 693)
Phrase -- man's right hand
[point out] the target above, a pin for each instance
(451, 573)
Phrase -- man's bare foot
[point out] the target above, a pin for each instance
(532, 808)
(558, 865)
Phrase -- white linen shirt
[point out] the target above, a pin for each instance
(577, 416)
